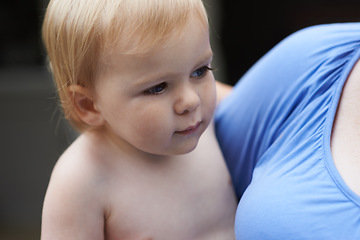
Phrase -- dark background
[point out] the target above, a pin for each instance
(32, 132)
(251, 28)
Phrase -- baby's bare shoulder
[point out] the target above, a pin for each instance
(81, 163)
(75, 196)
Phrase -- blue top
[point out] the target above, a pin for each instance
(274, 131)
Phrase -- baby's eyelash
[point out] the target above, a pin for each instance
(157, 89)
(209, 68)
(200, 72)
(160, 88)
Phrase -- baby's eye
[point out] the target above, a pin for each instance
(200, 72)
(155, 90)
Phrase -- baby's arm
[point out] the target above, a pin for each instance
(222, 90)
(72, 208)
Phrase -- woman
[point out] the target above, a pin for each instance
(290, 135)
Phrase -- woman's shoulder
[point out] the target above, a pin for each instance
(322, 38)
(321, 30)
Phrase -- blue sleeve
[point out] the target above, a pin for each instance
(252, 117)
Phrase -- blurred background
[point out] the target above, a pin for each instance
(32, 131)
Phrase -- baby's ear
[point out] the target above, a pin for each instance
(84, 106)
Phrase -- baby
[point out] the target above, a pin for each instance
(134, 78)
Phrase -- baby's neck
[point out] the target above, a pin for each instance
(115, 149)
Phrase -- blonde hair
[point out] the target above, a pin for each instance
(77, 32)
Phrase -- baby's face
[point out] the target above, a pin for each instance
(160, 103)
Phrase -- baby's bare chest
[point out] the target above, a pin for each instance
(191, 199)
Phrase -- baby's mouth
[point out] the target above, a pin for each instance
(190, 130)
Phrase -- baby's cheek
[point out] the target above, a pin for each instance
(210, 98)
(153, 130)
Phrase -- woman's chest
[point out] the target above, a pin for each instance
(296, 199)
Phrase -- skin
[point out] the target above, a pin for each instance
(345, 139)
(158, 96)
(160, 177)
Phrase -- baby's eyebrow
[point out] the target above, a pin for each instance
(150, 80)
(208, 58)
(161, 77)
